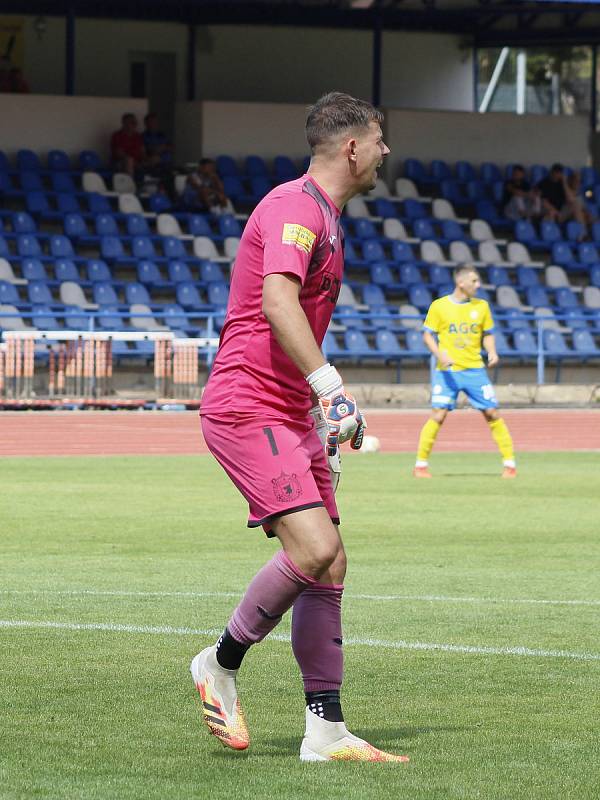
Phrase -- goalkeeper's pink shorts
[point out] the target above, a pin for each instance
(279, 467)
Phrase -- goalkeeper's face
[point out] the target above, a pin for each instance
(370, 152)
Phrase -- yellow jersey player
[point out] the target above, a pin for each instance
(455, 329)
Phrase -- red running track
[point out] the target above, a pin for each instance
(166, 433)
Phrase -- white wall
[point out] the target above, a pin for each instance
(426, 70)
(281, 64)
(43, 122)
(504, 138)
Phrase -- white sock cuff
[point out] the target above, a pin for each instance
(421, 463)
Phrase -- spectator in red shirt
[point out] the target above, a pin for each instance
(127, 146)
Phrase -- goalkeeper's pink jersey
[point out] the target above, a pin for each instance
(295, 229)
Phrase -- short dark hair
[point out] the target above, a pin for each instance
(463, 269)
(150, 115)
(556, 167)
(126, 116)
(337, 112)
(518, 167)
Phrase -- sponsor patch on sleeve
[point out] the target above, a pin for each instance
(298, 236)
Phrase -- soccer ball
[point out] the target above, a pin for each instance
(371, 444)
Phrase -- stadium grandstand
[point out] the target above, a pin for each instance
(85, 249)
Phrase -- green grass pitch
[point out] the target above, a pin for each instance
(144, 544)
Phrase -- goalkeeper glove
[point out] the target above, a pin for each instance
(341, 415)
(334, 461)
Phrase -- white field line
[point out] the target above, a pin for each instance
(378, 643)
(424, 598)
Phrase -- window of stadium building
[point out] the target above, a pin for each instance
(535, 80)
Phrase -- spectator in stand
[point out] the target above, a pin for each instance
(559, 202)
(156, 144)
(127, 147)
(204, 190)
(580, 211)
(520, 201)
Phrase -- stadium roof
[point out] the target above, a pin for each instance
(485, 21)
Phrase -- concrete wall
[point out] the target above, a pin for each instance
(42, 122)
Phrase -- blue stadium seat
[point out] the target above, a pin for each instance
(39, 292)
(502, 345)
(451, 191)
(31, 182)
(415, 344)
(137, 225)
(440, 170)
(32, 269)
(58, 161)
(65, 270)
(372, 295)
(331, 347)
(104, 294)
(498, 276)
(525, 233)
(188, 296)
(356, 343)
(350, 257)
(75, 320)
(218, 293)
(565, 298)
(588, 254)
(563, 255)
(176, 320)
(402, 252)
(174, 249)
(574, 319)
(75, 227)
(596, 232)
(415, 170)
(179, 272)
(149, 274)
(4, 163)
(67, 204)
(109, 319)
(410, 275)
(364, 229)
(62, 182)
(4, 250)
(28, 246)
(98, 203)
(228, 226)
(136, 293)
(349, 317)
(90, 161)
(255, 166)
(486, 210)
(439, 275)
(584, 344)
(227, 167)
(526, 277)
(476, 190)
(28, 161)
(464, 171)
(211, 272)
(97, 270)
(594, 275)
(61, 247)
(423, 229)
(515, 320)
(44, 319)
(37, 203)
(106, 225)
(372, 250)
(575, 231)
(234, 188)
(483, 294)
(419, 296)
(382, 275)
(260, 185)
(198, 225)
(159, 203)
(22, 222)
(111, 248)
(589, 177)
(413, 209)
(537, 173)
(537, 296)
(9, 294)
(284, 169)
(489, 172)
(452, 231)
(385, 208)
(387, 344)
(524, 343)
(550, 231)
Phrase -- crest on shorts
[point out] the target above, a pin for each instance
(286, 488)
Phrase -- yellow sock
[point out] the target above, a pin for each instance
(504, 440)
(429, 431)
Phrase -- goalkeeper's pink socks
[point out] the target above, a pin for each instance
(317, 637)
(271, 593)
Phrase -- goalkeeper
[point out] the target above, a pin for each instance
(257, 421)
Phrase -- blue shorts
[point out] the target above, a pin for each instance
(475, 383)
